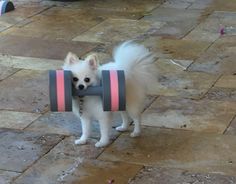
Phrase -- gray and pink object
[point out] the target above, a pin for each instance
(6, 6)
(111, 90)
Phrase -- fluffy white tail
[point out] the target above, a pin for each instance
(138, 63)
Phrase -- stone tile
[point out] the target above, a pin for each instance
(221, 94)
(202, 116)
(26, 3)
(7, 176)
(29, 63)
(227, 5)
(55, 168)
(177, 22)
(18, 15)
(226, 81)
(72, 4)
(187, 84)
(67, 148)
(208, 30)
(104, 172)
(68, 163)
(16, 120)
(231, 130)
(58, 123)
(219, 58)
(67, 123)
(36, 47)
(113, 5)
(172, 15)
(4, 26)
(21, 13)
(198, 152)
(224, 89)
(6, 71)
(26, 90)
(201, 4)
(55, 25)
(93, 14)
(173, 80)
(176, 49)
(28, 146)
(117, 30)
(151, 175)
(178, 4)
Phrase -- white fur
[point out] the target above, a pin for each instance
(138, 64)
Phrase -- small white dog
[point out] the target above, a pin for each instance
(139, 67)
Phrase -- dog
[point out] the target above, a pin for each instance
(138, 64)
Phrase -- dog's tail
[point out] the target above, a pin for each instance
(138, 64)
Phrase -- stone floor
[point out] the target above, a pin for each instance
(189, 120)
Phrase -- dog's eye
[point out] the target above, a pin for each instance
(75, 79)
(86, 79)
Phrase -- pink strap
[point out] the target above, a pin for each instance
(114, 90)
(60, 90)
(1, 4)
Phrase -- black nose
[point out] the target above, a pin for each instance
(81, 86)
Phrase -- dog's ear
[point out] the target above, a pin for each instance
(71, 58)
(93, 61)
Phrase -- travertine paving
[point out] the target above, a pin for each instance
(189, 150)
(188, 120)
(204, 115)
(173, 176)
(20, 149)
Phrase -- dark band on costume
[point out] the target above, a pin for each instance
(53, 90)
(106, 90)
(122, 96)
(68, 90)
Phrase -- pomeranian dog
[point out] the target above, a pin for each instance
(140, 76)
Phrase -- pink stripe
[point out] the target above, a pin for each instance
(1, 3)
(60, 90)
(114, 90)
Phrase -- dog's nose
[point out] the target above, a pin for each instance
(81, 86)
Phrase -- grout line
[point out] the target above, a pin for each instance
(155, 97)
(198, 21)
(204, 51)
(204, 94)
(33, 163)
(46, 9)
(17, 70)
(26, 18)
(120, 133)
(133, 178)
(190, 4)
(35, 120)
(150, 11)
(230, 122)
(12, 110)
(10, 171)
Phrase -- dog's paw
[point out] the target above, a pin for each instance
(121, 129)
(101, 144)
(80, 141)
(135, 134)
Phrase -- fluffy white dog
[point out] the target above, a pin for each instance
(140, 75)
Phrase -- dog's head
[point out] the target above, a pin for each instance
(84, 71)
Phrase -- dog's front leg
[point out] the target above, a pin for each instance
(105, 128)
(86, 130)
